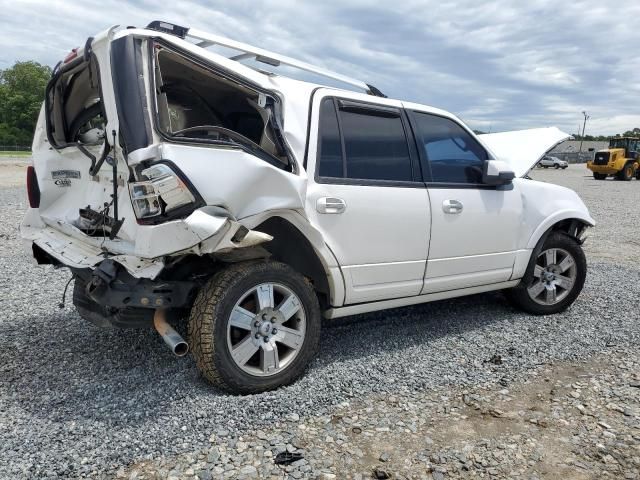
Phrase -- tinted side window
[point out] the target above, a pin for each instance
(375, 146)
(330, 154)
(358, 141)
(454, 156)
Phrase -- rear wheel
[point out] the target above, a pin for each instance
(556, 166)
(599, 176)
(554, 278)
(254, 327)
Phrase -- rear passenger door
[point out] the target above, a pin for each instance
(367, 196)
(474, 230)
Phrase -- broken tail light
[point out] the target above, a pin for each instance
(162, 193)
(33, 189)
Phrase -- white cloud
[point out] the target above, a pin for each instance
(498, 64)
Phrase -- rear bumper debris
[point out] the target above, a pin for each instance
(200, 233)
(112, 286)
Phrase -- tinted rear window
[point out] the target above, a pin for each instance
(373, 141)
(330, 154)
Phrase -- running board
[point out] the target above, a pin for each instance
(406, 301)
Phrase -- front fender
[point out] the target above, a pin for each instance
(556, 218)
(544, 205)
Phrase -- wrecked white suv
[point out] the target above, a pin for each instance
(178, 175)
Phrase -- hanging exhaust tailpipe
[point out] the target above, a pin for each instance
(172, 338)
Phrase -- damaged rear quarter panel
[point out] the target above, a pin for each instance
(241, 183)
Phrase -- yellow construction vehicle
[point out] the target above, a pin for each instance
(621, 160)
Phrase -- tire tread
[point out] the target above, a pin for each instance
(205, 313)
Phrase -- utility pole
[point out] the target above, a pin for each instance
(586, 117)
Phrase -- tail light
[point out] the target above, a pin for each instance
(163, 192)
(33, 189)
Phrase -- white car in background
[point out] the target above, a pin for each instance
(555, 162)
(176, 182)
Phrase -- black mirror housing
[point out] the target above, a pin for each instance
(497, 172)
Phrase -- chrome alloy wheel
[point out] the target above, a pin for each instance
(554, 275)
(266, 329)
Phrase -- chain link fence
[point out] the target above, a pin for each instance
(15, 148)
(8, 151)
(574, 157)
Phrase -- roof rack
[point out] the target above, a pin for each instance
(246, 51)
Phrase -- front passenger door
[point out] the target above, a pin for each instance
(474, 230)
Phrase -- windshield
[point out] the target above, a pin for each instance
(74, 106)
(617, 143)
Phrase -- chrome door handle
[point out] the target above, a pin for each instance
(451, 206)
(330, 205)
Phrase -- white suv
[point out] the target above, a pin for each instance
(176, 182)
(554, 162)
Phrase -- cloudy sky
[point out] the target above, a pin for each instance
(499, 65)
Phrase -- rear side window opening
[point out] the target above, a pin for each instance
(74, 108)
(195, 104)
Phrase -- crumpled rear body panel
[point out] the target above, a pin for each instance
(240, 183)
(237, 185)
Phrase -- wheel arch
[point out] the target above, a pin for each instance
(573, 223)
(296, 243)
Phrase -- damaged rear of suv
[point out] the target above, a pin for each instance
(179, 183)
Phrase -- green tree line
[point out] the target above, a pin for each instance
(21, 94)
(629, 133)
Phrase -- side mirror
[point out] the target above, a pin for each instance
(497, 172)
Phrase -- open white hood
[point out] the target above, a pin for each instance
(522, 149)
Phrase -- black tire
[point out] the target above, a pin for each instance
(210, 316)
(626, 173)
(638, 173)
(564, 167)
(519, 295)
(556, 166)
(599, 176)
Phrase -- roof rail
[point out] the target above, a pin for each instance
(205, 40)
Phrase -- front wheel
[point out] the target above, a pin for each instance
(626, 173)
(254, 327)
(599, 176)
(553, 279)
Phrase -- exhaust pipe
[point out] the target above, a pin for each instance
(172, 338)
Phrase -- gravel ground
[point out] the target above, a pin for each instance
(571, 420)
(78, 401)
